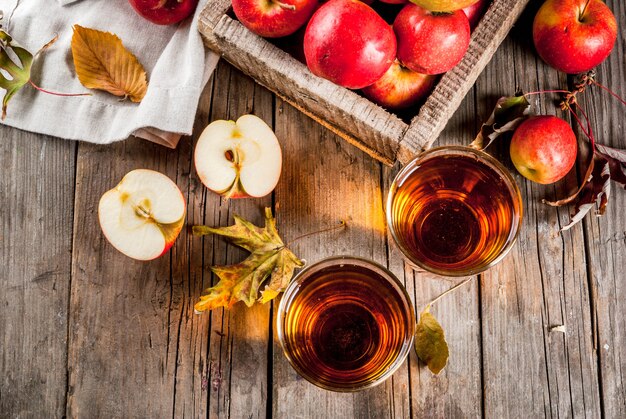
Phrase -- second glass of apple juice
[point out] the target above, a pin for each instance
(454, 211)
(345, 323)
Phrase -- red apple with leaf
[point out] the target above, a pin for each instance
(348, 43)
(574, 36)
(164, 12)
(544, 148)
(274, 18)
(400, 88)
(428, 42)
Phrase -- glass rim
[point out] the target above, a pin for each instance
(389, 276)
(457, 150)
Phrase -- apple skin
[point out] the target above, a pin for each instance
(431, 43)
(394, 1)
(444, 5)
(348, 43)
(544, 148)
(570, 42)
(274, 18)
(164, 12)
(475, 12)
(400, 88)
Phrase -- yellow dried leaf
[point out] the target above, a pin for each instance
(430, 342)
(103, 63)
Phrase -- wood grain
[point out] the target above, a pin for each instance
(605, 237)
(36, 207)
(324, 181)
(542, 283)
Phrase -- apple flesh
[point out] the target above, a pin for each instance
(543, 149)
(143, 215)
(348, 43)
(444, 5)
(274, 18)
(164, 12)
(574, 36)
(400, 88)
(431, 43)
(239, 159)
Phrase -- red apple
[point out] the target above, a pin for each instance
(274, 18)
(348, 43)
(574, 35)
(164, 12)
(394, 1)
(400, 88)
(143, 215)
(444, 5)
(431, 43)
(475, 12)
(544, 148)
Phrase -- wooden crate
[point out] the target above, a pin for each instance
(366, 125)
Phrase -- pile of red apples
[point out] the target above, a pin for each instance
(394, 62)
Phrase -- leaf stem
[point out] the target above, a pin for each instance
(542, 92)
(612, 93)
(460, 284)
(341, 224)
(56, 93)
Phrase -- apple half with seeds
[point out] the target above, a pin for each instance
(239, 159)
(143, 215)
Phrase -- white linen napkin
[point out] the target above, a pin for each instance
(177, 64)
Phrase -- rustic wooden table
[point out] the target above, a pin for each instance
(87, 332)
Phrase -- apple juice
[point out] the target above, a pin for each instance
(454, 214)
(346, 326)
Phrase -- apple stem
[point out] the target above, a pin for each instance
(284, 5)
(56, 93)
(582, 14)
(341, 224)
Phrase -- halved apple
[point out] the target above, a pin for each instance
(239, 159)
(143, 215)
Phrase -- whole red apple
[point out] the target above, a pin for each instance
(400, 88)
(274, 18)
(475, 12)
(431, 43)
(574, 35)
(543, 149)
(348, 43)
(443, 5)
(164, 12)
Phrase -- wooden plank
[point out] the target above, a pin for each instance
(325, 180)
(37, 201)
(542, 283)
(457, 391)
(606, 237)
(237, 364)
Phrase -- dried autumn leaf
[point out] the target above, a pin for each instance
(269, 258)
(19, 72)
(102, 62)
(430, 342)
(508, 114)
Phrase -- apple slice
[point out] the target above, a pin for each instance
(239, 159)
(142, 216)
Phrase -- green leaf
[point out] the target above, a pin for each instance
(430, 342)
(269, 258)
(508, 114)
(18, 71)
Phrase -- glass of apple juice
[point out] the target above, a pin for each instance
(345, 323)
(454, 211)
